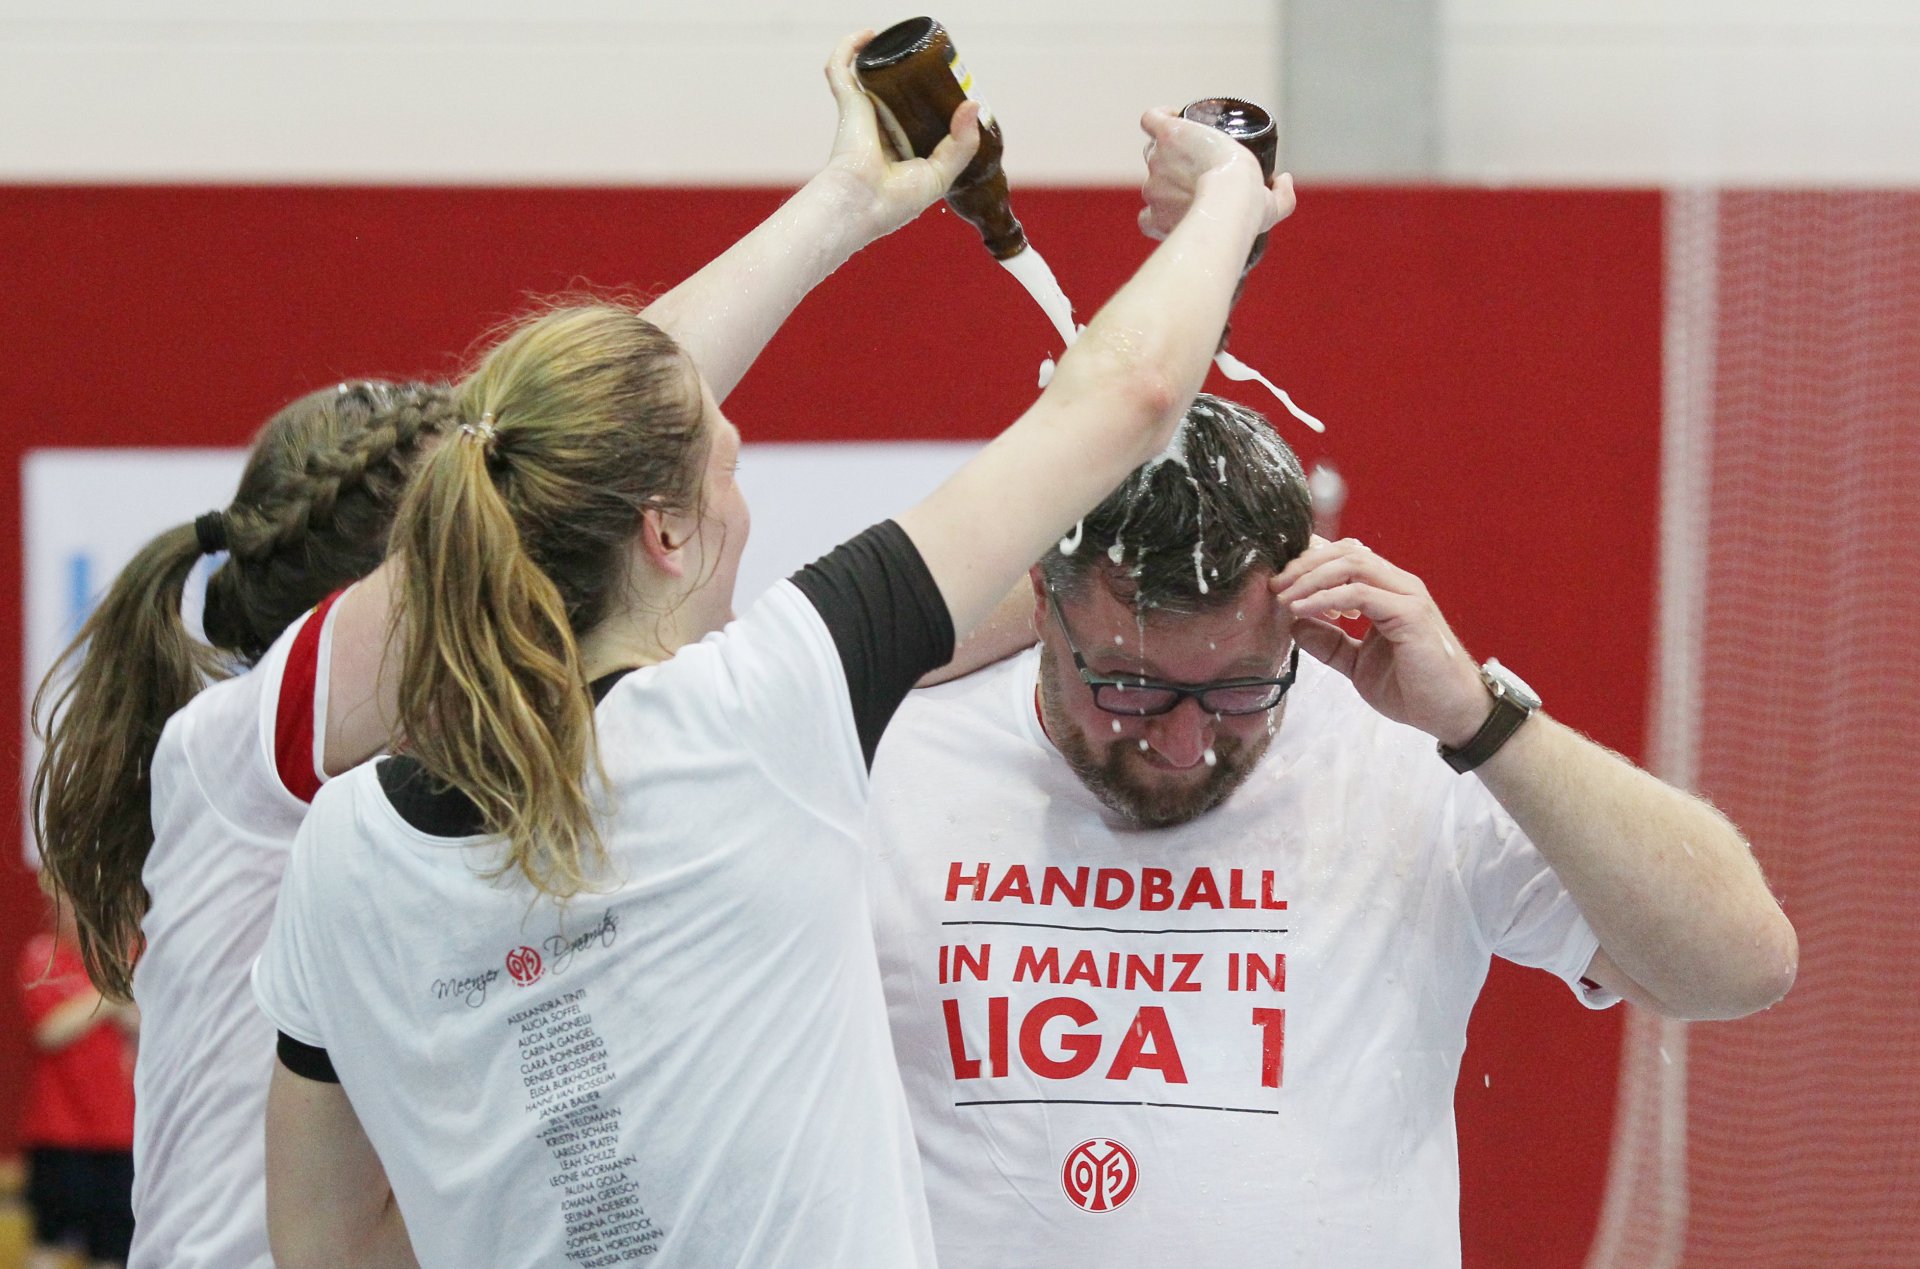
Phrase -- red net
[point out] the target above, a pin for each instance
(1790, 687)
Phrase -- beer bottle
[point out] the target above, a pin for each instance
(916, 80)
(1254, 128)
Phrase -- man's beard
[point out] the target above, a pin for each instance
(1113, 776)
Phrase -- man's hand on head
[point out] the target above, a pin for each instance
(1408, 664)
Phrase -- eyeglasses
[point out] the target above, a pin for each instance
(1139, 697)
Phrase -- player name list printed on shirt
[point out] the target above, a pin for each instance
(564, 1064)
(1042, 1000)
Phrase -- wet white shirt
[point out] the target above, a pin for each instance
(231, 779)
(1229, 1043)
(690, 1065)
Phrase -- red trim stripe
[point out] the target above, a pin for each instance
(293, 720)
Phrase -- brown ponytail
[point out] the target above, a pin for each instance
(91, 794)
(312, 514)
(510, 545)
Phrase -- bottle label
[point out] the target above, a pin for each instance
(961, 73)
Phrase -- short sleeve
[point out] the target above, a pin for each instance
(1523, 912)
(288, 975)
(887, 617)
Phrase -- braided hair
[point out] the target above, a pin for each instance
(312, 514)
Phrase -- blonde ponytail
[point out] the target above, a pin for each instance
(511, 545)
(492, 701)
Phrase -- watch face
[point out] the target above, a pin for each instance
(1507, 685)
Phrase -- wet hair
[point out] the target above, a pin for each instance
(1184, 530)
(509, 548)
(312, 514)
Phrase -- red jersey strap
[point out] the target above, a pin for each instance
(293, 720)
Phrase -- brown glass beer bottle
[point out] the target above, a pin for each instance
(1254, 128)
(917, 81)
(1250, 126)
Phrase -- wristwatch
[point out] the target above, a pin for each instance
(1513, 703)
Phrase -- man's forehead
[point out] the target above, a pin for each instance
(1243, 631)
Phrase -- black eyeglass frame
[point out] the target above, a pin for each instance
(1111, 687)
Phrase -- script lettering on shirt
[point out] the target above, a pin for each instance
(528, 966)
(469, 989)
(560, 949)
(1114, 889)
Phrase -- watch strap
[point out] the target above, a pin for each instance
(1499, 727)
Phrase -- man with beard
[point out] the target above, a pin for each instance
(1180, 928)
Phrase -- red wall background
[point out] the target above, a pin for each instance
(1488, 364)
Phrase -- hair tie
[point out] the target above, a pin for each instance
(483, 431)
(210, 531)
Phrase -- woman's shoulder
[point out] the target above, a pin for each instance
(776, 635)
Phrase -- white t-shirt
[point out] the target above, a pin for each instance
(1229, 1043)
(690, 1066)
(231, 779)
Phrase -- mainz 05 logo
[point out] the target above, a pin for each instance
(1099, 1175)
(524, 964)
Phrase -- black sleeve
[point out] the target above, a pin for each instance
(306, 1061)
(887, 618)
